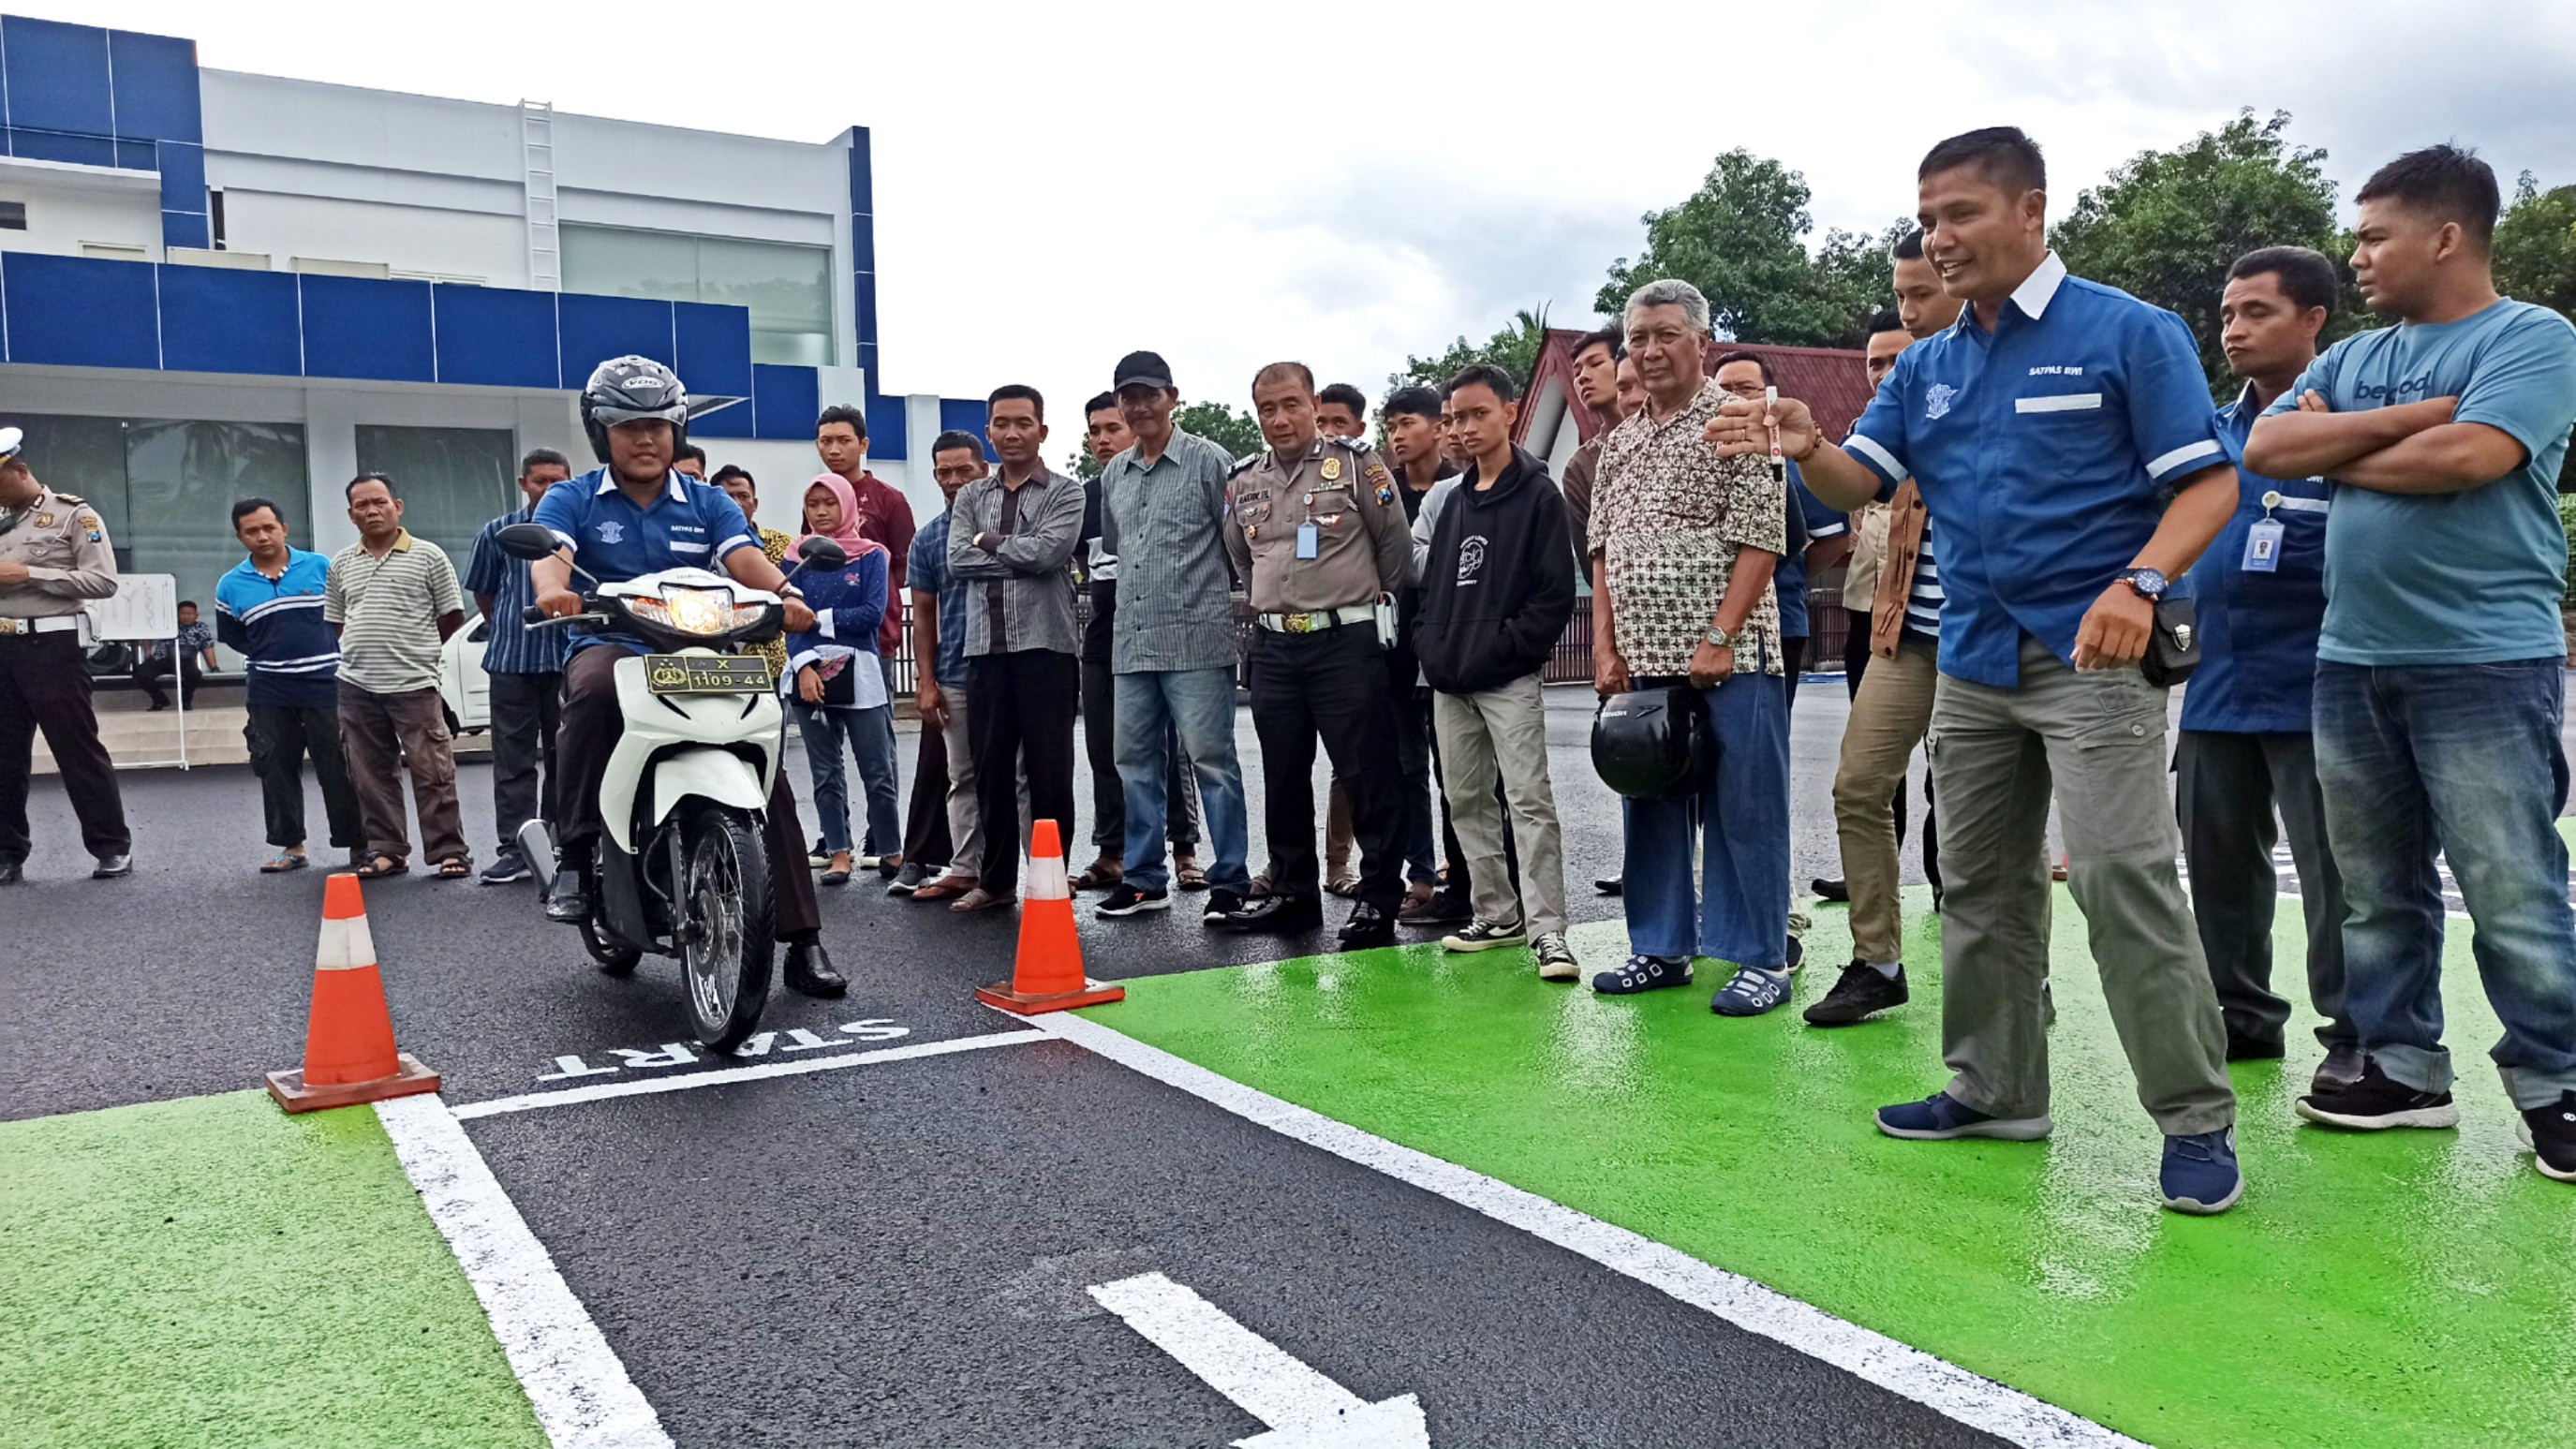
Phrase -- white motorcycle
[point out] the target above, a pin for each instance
(679, 870)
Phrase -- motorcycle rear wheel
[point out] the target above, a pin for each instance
(724, 928)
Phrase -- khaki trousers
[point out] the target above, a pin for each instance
(1503, 732)
(1888, 719)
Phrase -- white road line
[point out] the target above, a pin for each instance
(649, 1086)
(1973, 1400)
(1263, 1379)
(573, 1379)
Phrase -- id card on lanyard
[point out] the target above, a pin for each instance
(2263, 540)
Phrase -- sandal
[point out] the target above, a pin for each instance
(1100, 875)
(456, 867)
(1191, 878)
(286, 861)
(379, 865)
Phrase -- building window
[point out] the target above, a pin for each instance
(165, 488)
(13, 216)
(451, 481)
(787, 288)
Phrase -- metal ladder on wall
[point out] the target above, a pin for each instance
(537, 152)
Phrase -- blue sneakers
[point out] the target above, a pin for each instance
(1941, 1118)
(2200, 1176)
(1643, 973)
(1752, 992)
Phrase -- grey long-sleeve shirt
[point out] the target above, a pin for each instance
(1019, 592)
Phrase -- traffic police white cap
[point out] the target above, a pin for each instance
(12, 441)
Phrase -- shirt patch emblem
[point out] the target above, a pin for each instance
(1936, 400)
(1332, 469)
(44, 520)
(611, 531)
(1386, 495)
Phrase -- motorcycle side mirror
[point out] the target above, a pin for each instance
(530, 541)
(822, 553)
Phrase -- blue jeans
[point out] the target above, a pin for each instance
(1200, 702)
(2466, 759)
(870, 733)
(1741, 912)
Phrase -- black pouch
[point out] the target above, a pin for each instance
(2173, 645)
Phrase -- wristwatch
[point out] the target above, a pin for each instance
(2149, 584)
(1720, 637)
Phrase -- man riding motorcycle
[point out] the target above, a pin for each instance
(631, 517)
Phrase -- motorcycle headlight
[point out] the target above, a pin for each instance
(689, 611)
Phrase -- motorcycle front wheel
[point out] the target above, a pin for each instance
(724, 928)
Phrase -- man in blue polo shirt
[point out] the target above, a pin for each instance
(2245, 746)
(526, 669)
(2440, 683)
(268, 609)
(2047, 429)
(632, 517)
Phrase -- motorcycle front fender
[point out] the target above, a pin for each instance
(717, 775)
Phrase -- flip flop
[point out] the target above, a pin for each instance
(285, 863)
(456, 867)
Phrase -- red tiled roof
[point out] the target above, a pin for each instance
(1829, 380)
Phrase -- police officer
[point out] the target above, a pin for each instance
(53, 554)
(1315, 530)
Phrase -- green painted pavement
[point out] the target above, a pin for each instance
(213, 1272)
(2412, 1289)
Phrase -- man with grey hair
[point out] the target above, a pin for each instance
(1683, 543)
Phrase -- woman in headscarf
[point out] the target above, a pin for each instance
(835, 685)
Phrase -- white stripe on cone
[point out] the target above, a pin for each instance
(347, 945)
(1046, 880)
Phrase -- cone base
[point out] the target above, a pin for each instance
(1093, 993)
(293, 1095)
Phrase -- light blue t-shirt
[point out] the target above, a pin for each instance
(2452, 578)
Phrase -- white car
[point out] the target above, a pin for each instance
(462, 685)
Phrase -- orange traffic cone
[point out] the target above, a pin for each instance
(349, 1054)
(1048, 974)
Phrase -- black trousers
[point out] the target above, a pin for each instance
(1333, 685)
(2226, 788)
(1019, 715)
(1109, 793)
(154, 671)
(1793, 661)
(527, 709)
(926, 841)
(45, 685)
(582, 745)
(280, 737)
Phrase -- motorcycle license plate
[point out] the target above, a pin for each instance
(702, 674)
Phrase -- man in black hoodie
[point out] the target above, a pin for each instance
(1497, 589)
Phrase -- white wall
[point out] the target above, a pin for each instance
(492, 249)
(68, 205)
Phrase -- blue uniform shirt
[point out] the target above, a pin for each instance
(2258, 631)
(509, 645)
(689, 525)
(2044, 451)
(1811, 522)
(2453, 578)
(276, 625)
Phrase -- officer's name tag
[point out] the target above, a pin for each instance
(2263, 547)
(1307, 539)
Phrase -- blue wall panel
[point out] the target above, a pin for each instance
(58, 76)
(77, 150)
(155, 86)
(363, 327)
(784, 401)
(715, 348)
(138, 155)
(596, 329)
(495, 336)
(183, 175)
(887, 435)
(966, 415)
(736, 421)
(80, 311)
(186, 229)
(217, 320)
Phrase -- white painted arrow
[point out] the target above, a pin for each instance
(1304, 1409)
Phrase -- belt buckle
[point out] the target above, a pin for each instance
(1299, 623)
(10, 626)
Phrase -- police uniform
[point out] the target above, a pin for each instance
(1317, 539)
(43, 679)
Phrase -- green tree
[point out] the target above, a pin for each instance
(1237, 433)
(2535, 246)
(1515, 350)
(1740, 239)
(2166, 225)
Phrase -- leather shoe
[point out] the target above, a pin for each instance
(1276, 913)
(2242, 1048)
(1444, 908)
(112, 866)
(1831, 888)
(1610, 885)
(1368, 927)
(569, 902)
(809, 970)
(12, 872)
(980, 899)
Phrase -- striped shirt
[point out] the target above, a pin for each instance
(510, 646)
(1923, 601)
(1022, 589)
(1163, 524)
(388, 611)
(276, 625)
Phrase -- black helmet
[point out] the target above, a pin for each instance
(1649, 745)
(623, 389)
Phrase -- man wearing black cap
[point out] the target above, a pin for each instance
(1172, 645)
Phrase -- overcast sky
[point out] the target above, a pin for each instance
(1057, 184)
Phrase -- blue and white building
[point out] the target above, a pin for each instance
(215, 285)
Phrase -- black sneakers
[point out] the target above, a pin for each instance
(1127, 899)
(2375, 1103)
(1860, 994)
(2551, 1133)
